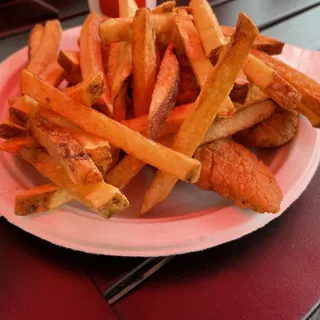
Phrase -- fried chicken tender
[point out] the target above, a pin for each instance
(234, 172)
(274, 131)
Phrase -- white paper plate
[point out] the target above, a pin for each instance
(190, 219)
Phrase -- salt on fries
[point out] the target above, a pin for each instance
(124, 85)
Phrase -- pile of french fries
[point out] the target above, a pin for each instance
(90, 120)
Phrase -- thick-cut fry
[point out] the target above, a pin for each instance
(13, 145)
(144, 61)
(19, 112)
(47, 50)
(73, 78)
(263, 43)
(167, 6)
(164, 94)
(271, 83)
(240, 89)
(200, 64)
(40, 199)
(68, 153)
(35, 38)
(69, 61)
(127, 8)
(100, 197)
(9, 129)
(208, 27)
(53, 74)
(88, 91)
(91, 57)
(204, 110)
(96, 123)
(308, 88)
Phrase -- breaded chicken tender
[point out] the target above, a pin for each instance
(234, 172)
(274, 131)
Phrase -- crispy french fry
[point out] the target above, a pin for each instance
(271, 83)
(263, 43)
(307, 87)
(19, 112)
(208, 27)
(120, 104)
(68, 153)
(91, 57)
(53, 74)
(47, 50)
(112, 63)
(240, 89)
(164, 94)
(40, 199)
(88, 91)
(34, 40)
(96, 123)
(14, 144)
(200, 64)
(144, 61)
(101, 198)
(9, 129)
(204, 110)
(164, 7)
(69, 61)
(73, 78)
(127, 8)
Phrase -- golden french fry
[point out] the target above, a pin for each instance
(164, 94)
(53, 74)
(208, 27)
(271, 83)
(9, 129)
(144, 61)
(91, 57)
(307, 87)
(255, 95)
(67, 151)
(14, 144)
(40, 199)
(204, 110)
(127, 8)
(263, 43)
(164, 7)
(240, 89)
(34, 40)
(47, 50)
(88, 91)
(69, 61)
(101, 198)
(112, 62)
(90, 120)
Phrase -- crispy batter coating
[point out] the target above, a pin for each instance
(274, 131)
(234, 172)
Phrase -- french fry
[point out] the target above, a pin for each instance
(14, 144)
(67, 151)
(91, 57)
(255, 95)
(164, 94)
(120, 104)
(9, 129)
(187, 8)
(164, 7)
(208, 27)
(266, 44)
(73, 78)
(101, 198)
(127, 8)
(40, 199)
(308, 88)
(144, 61)
(13, 100)
(90, 120)
(47, 50)
(112, 62)
(240, 89)
(200, 64)
(19, 112)
(69, 61)
(163, 99)
(88, 91)
(271, 83)
(53, 74)
(34, 40)
(204, 110)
